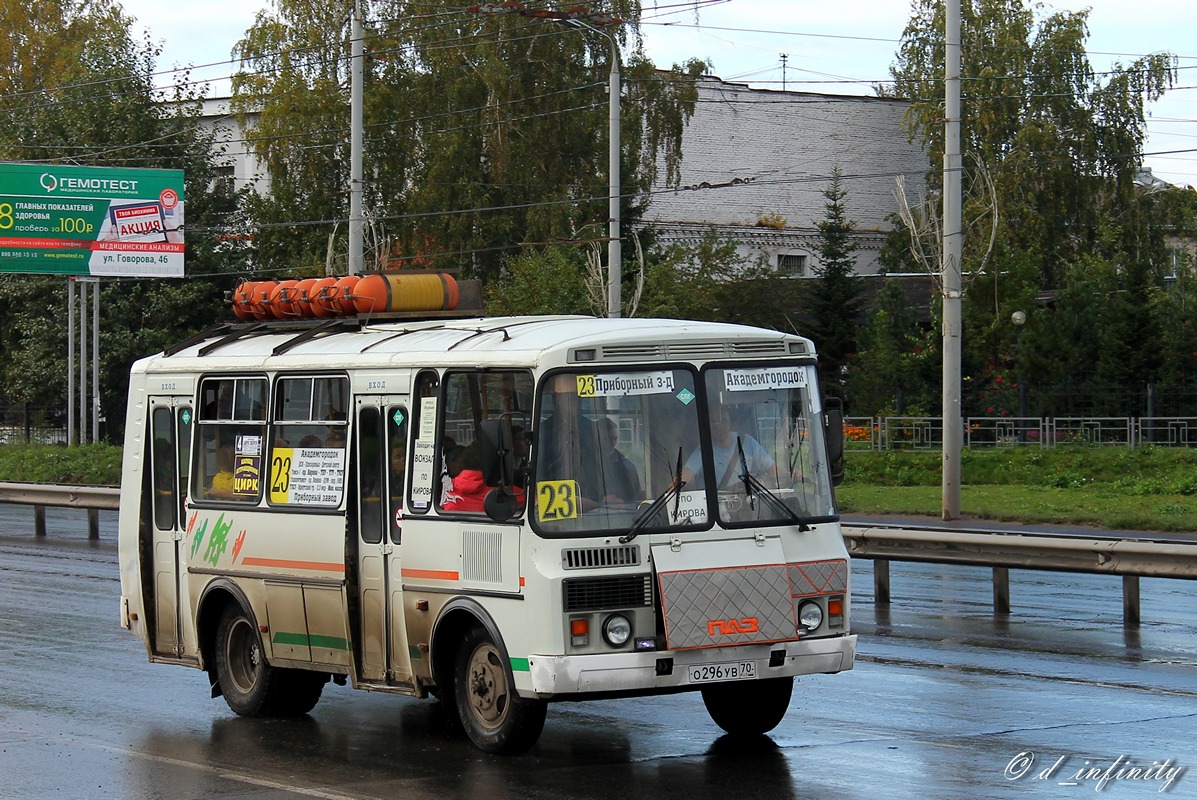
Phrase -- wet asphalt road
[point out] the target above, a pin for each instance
(945, 702)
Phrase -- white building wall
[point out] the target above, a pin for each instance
(756, 162)
(234, 157)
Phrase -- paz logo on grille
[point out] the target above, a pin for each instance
(731, 627)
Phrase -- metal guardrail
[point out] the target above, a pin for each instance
(882, 543)
(1003, 550)
(40, 495)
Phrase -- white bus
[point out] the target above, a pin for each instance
(499, 512)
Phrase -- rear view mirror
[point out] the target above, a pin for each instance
(498, 469)
(834, 437)
(497, 452)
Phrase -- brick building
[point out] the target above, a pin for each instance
(756, 162)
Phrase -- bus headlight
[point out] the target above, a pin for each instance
(617, 629)
(810, 615)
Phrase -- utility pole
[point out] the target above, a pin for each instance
(614, 244)
(784, 57)
(953, 235)
(357, 70)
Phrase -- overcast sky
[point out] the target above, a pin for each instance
(838, 48)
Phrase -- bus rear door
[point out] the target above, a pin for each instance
(170, 442)
(381, 465)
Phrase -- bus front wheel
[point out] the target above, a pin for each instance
(748, 708)
(250, 686)
(496, 719)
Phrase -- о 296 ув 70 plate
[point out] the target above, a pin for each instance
(726, 671)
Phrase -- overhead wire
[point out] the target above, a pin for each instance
(451, 42)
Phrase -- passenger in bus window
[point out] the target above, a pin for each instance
(469, 489)
(454, 461)
(569, 446)
(622, 482)
(398, 470)
(164, 459)
(727, 455)
(519, 449)
(336, 438)
(222, 481)
(398, 460)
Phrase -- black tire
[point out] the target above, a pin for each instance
(748, 708)
(495, 718)
(252, 687)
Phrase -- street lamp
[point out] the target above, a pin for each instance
(1019, 318)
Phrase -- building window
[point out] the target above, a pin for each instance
(792, 264)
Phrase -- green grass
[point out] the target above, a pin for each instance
(1152, 488)
(1148, 488)
(91, 464)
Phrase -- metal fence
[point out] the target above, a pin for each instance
(926, 433)
(29, 424)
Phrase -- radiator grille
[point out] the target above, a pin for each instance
(759, 348)
(612, 591)
(691, 349)
(697, 350)
(620, 352)
(591, 557)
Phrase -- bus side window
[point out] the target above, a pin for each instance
(397, 466)
(471, 399)
(308, 441)
(230, 448)
(370, 475)
(183, 418)
(165, 481)
(425, 482)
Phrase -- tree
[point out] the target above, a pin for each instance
(80, 89)
(896, 368)
(485, 132)
(1061, 143)
(710, 280)
(833, 299)
(541, 282)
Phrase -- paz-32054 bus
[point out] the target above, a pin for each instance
(500, 512)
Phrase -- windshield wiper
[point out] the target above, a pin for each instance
(674, 489)
(751, 482)
(745, 475)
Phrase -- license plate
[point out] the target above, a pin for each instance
(726, 671)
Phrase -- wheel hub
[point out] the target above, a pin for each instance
(487, 687)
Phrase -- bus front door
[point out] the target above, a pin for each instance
(170, 444)
(382, 650)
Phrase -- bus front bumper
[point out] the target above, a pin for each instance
(674, 670)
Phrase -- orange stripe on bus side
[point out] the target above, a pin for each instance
(283, 563)
(435, 574)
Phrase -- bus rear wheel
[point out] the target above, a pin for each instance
(495, 718)
(252, 687)
(748, 708)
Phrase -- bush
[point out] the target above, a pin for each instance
(90, 464)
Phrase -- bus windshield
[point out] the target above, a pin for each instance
(766, 461)
(607, 444)
(748, 452)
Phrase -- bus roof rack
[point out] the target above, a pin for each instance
(469, 306)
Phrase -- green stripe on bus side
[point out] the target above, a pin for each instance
(303, 640)
(520, 665)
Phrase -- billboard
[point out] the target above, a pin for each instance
(114, 221)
